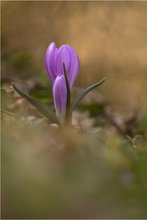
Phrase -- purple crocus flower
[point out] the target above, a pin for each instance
(54, 59)
(60, 96)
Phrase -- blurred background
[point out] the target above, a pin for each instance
(110, 39)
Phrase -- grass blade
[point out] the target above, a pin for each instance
(68, 113)
(76, 101)
(43, 109)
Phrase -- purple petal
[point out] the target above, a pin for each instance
(49, 61)
(74, 66)
(63, 55)
(54, 59)
(60, 96)
(67, 55)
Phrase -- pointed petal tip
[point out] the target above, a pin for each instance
(54, 59)
(49, 61)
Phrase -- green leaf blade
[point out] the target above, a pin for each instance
(76, 101)
(43, 109)
(68, 112)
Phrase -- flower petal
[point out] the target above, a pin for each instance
(60, 96)
(63, 55)
(54, 59)
(49, 61)
(74, 66)
(67, 55)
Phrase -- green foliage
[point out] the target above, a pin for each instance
(22, 63)
(94, 109)
(76, 101)
(20, 60)
(43, 109)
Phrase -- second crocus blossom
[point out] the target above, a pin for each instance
(54, 59)
(60, 96)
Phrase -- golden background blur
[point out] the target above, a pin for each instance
(96, 168)
(109, 37)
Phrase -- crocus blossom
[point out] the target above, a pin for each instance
(54, 59)
(60, 96)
